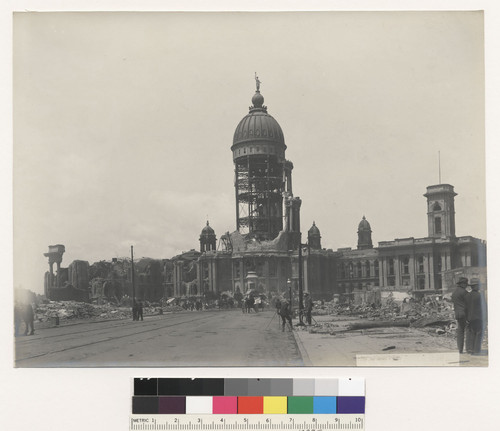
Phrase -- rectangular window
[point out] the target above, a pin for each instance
(405, 264)
(272, 268)
(391, 266)
(437, 225)
(421, 264)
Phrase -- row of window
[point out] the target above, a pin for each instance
(364, 269)
(271, 149)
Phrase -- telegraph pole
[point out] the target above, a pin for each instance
(301, 290)
(133, 281)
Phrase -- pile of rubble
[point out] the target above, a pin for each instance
(73, 310)
(60, 312)
(434, 316)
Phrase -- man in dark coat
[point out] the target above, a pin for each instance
(308, 306)
(476, 313)
(286, 314)
(139, 311)
(458, 298)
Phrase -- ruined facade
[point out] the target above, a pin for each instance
(104, 280)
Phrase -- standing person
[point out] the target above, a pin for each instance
(250, 303)
(29, 319)
(17, 318)
(458, 298)
(286, 315)
(139, 311)
(277, 305)
(476, 313)
(134, 311)
(308, 306)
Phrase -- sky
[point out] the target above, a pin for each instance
(123, 124)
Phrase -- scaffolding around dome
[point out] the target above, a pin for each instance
(262, 174)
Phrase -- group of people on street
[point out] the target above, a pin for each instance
(470, 311)
(24, 312)
(283, 310)
(249, 304)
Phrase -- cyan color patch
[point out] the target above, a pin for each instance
(325, 405)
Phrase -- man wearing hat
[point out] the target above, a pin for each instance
(285, 314)
(476, 312)
(458, 298)
(308, 306)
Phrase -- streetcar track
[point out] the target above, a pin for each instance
(148, 330)
(119, 324)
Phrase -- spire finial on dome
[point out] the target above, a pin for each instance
(207, 223)
(314, 223)
(257, 82)
(364, 218)
(257, 99)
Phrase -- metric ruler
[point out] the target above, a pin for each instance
(257, 422)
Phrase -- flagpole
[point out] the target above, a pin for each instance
(133, 280)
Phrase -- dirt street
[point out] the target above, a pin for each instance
(205, 338)
(231, 338)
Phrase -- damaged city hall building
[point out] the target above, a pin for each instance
(267, 253)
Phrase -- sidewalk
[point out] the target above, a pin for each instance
(393, 346)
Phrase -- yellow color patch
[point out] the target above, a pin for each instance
(275, 405)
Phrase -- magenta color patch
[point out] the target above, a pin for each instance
(225, 405)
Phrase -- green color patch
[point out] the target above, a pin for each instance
(300, 405)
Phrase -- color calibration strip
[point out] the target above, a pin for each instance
(179, 396)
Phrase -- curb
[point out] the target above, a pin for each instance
(302, 350)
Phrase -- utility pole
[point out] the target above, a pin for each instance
(133, 281)
(301, 290)
(439, 163)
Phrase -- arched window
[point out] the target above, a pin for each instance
(368, 269)
(436, 207)
(375, 267)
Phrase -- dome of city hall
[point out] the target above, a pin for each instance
(258, 125)
(364, 225)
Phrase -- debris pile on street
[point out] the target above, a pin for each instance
(72, 310)
(67, 311)
(434, 316)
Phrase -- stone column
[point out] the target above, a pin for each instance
(58, 275)
(431, 271)
(242, 277)
(305, 285)
(214, 277)
(411, 266)
(383, 272)
(397, 271)
(210, 277)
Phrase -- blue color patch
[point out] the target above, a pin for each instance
(351, 405)
(325, 405)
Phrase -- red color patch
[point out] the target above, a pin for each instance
(250, 405)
